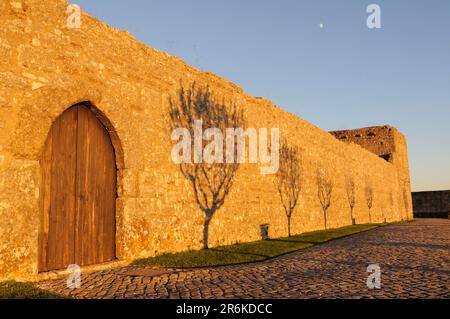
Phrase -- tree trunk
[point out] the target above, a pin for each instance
(206, 231)
(325, 218)
(351, 215)
(370, 216)
(289, 226)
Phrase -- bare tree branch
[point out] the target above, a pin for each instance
(289, 179)
(211, 182)
(350, 187)
(369, 197)
(405, 198)
(325, 187)
(391, 201)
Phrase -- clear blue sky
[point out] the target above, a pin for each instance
(340, 76)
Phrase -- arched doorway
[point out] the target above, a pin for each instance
(78, 192)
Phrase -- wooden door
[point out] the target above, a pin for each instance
(78, 193)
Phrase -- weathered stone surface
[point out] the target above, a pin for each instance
(389, 144)
(431, 204)
(46, 68)
(378, 140)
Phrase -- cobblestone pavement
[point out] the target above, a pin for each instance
(414, 260)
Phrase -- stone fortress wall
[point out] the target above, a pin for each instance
(46, 68)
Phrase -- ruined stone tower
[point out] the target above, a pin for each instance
(387, 143)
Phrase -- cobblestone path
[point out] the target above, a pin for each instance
(414, 260)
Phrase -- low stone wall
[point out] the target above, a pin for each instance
(431, 204)
(45, 68)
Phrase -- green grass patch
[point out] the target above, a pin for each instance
(18, 290)
(250, 252)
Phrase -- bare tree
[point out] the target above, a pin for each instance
(405, 200)
(350, 187)
(383, 213)
(369, 197)
(391, 200)
(325, 187)
(288, 179)
(211, 182)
